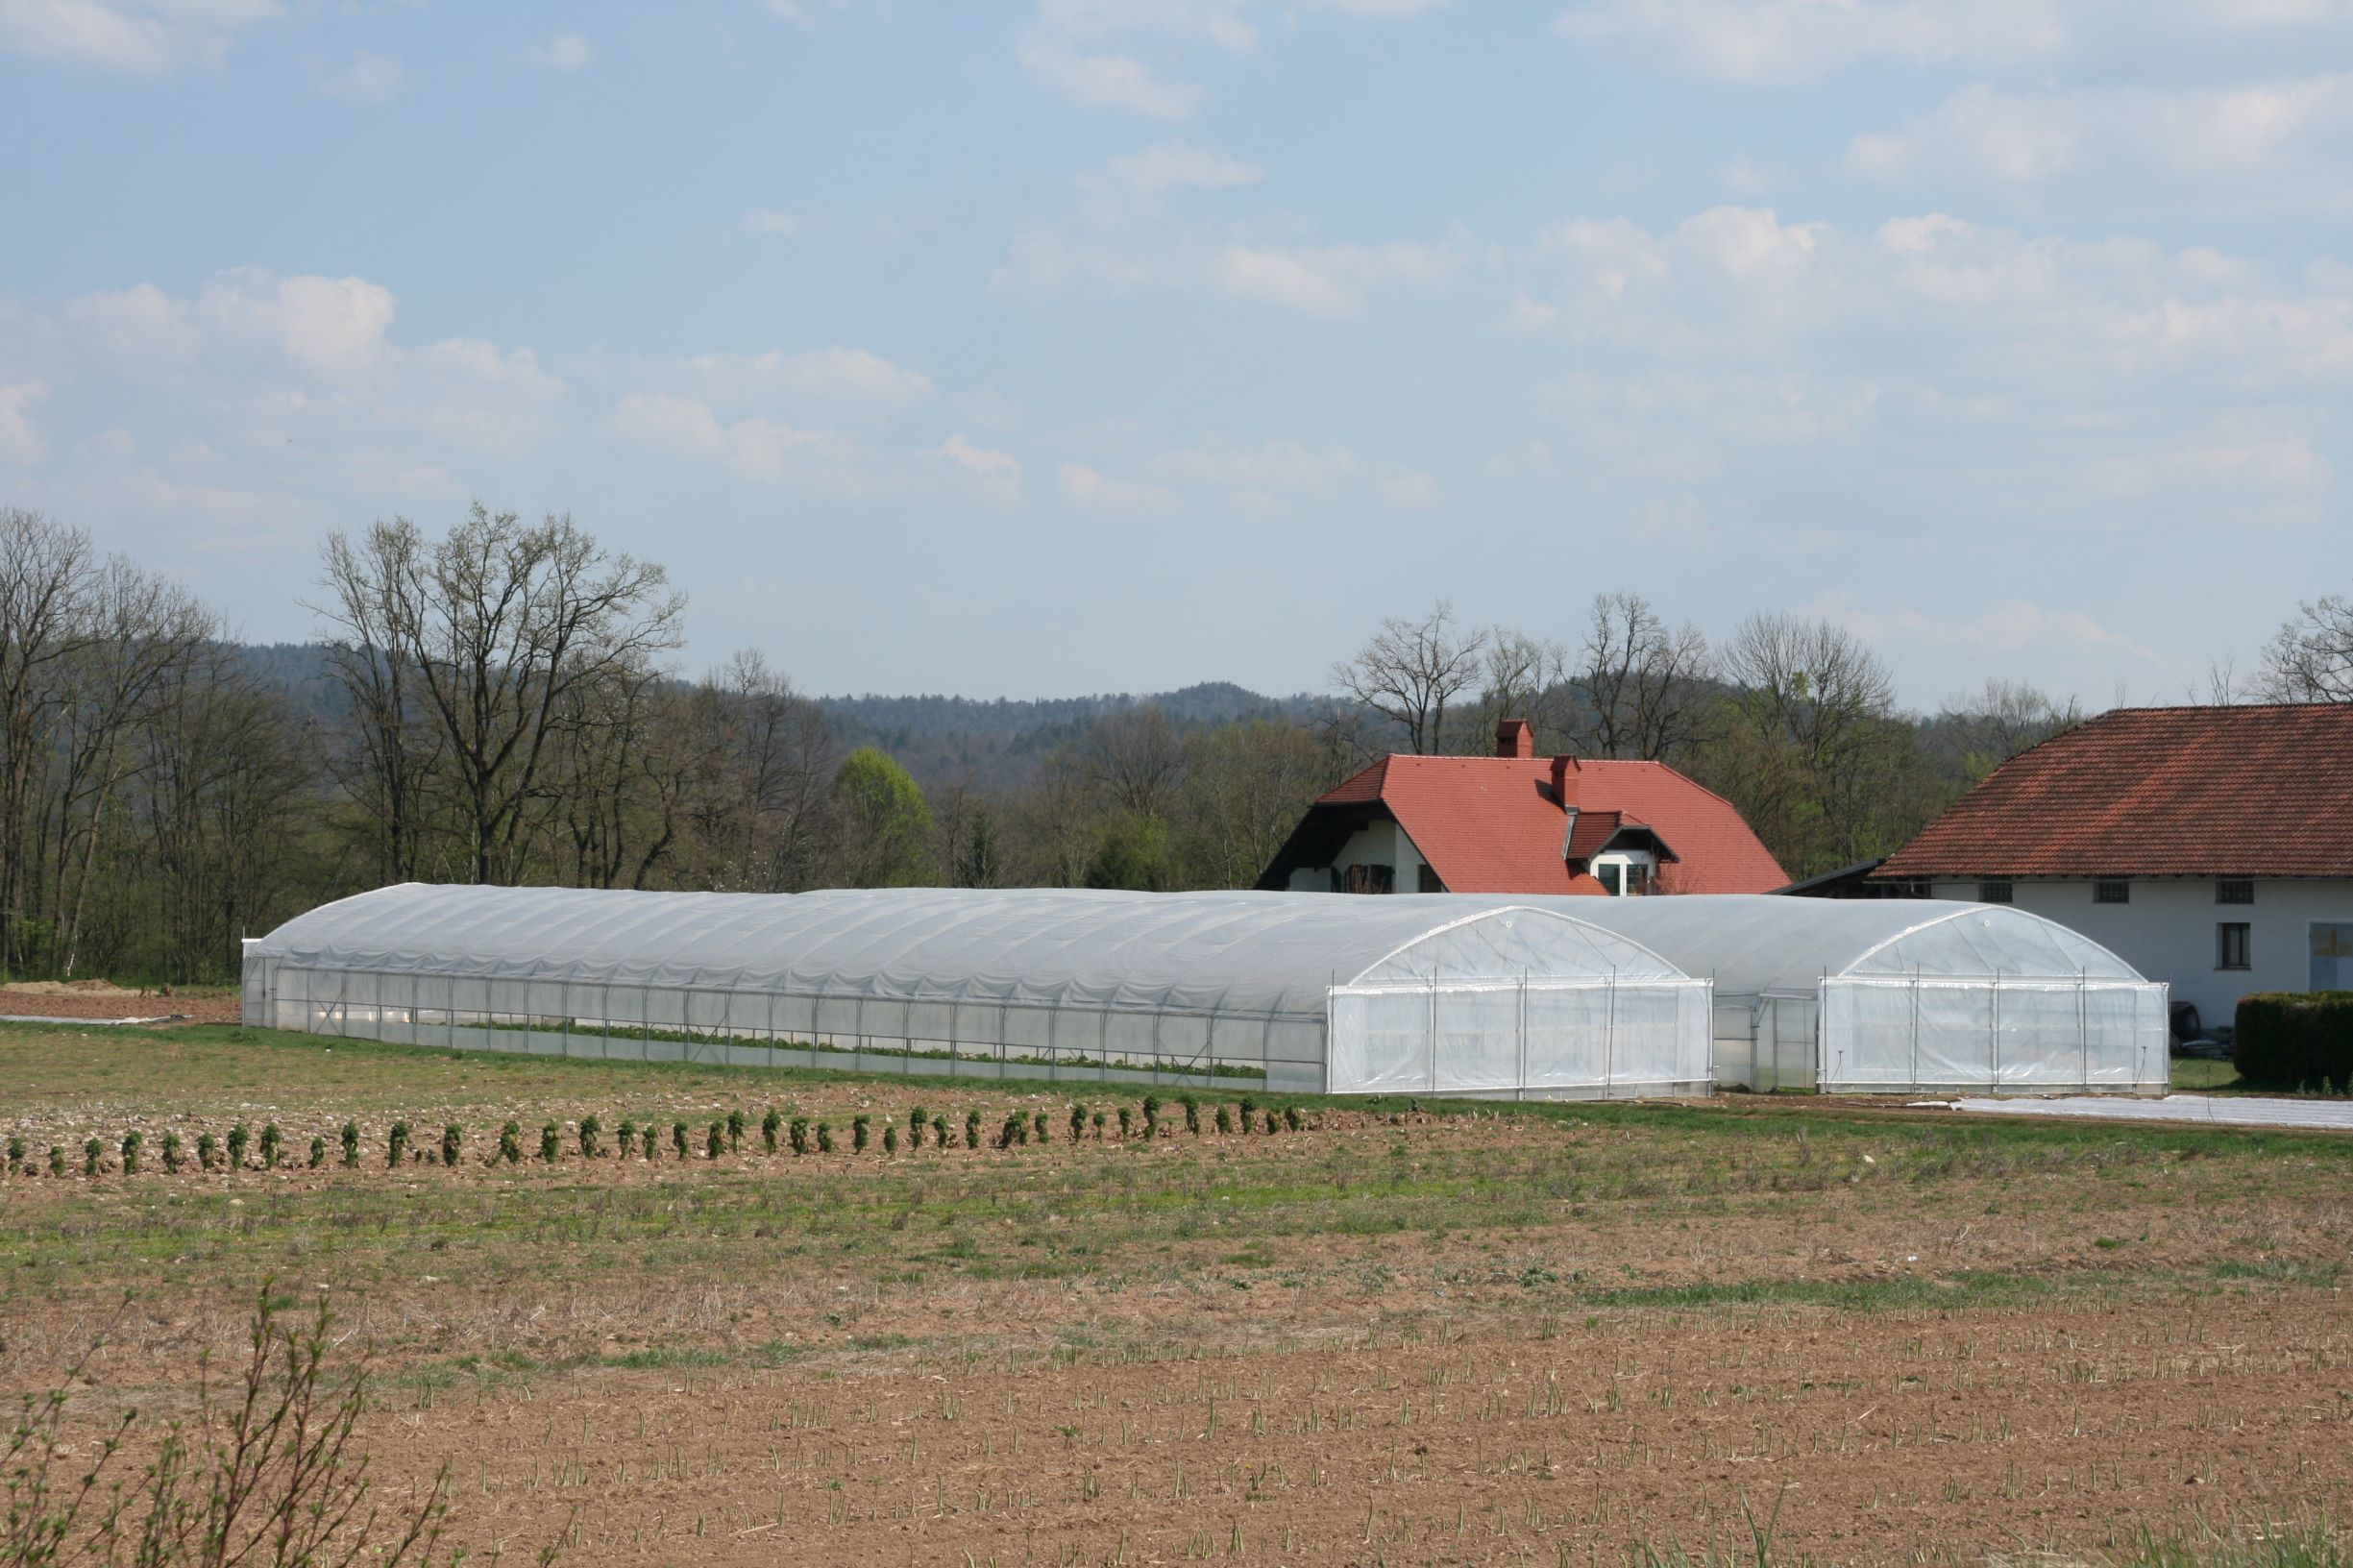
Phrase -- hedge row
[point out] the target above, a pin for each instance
(2304, 1039)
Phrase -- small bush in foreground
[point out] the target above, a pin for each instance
(1291, 1118)
(916, 1120)
(396, 1144)
(57, 1161)
(240, 1138)
(551, 1144)
(208, 1151)
(273, 1145)
(735, 1132)
(677, 1138)
(318, 1151)
(889, 1139)
(16, 1154)
(859, 1129)
(1225, 1119)
(452, 1137)
(1098, 1126)
(1039, 1125)
(715, 1141)
(769, 1123)
(590, 1129)
(351, 1143)
(626, 1135)
(796, 1136)
(939, 1131)
(132, 1141)
(92, 1152)
(1151, 1115)
(972, 1129)
(173, 1159)
(1192, 1113)
(510, 1143)
(825, 1137)
(1078, 1121)
(1126, 1122)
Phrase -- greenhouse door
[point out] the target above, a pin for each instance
(1785, 1045)
(1516, 1038)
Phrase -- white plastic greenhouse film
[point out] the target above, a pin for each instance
(2020, 1035)
(1527, 1038)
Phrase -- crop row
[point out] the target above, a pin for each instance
(240, 1149)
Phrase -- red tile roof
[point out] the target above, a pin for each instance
(2262, 791)
(1489, 824)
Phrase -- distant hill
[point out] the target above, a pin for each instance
(984, 741)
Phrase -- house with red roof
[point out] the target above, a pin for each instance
(1517, 822)
(2209, 848)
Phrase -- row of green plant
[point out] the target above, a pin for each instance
(238, 1149)
(1064, 1062)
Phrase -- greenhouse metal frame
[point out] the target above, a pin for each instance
(1238, 991)
(1899, 994)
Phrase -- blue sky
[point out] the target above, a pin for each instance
(1083, 345)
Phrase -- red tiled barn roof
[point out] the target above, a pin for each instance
(1489, 824)
(2264, 790)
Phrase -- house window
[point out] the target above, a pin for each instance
(2234, 890)
(1429, 882)
(1994, 893)
(1637, 879)
(2231, 945)
(1365, 879)
(1612, 874)
(2112, 892)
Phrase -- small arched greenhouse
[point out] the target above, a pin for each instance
(1888, 994)
(1235, 990)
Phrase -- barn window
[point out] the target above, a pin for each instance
(1994, 893)
(2234, 890)
(2112, 892)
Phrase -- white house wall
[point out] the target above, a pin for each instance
(1375, 843)
(2167, 931)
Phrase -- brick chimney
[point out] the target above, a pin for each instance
(1565, 781)
(1515, 738)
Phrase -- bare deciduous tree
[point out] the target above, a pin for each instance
(1650, 687)
(2312, 658)
(1135, 758)
(1413, 671)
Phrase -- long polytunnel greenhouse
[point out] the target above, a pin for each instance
(1295, 992)
(1879, 995)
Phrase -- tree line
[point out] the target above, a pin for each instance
(505, 707)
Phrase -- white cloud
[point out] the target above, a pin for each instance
(829, 376)
(1409, 490)
(325, 324)
(768, 221)
(564, 52)
(135, 38)
(2009, 626)
(1101, 80)
(1175, 165)
(1327, 280)
(768, 451)
(19, 441)
(1746, 176)
(2284, 144)
(997, 473)
(1091, 491)
(370, 78)
(138, 322)
(1275, 465)
(1801, 41)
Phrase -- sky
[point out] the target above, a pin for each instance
(1068, 346)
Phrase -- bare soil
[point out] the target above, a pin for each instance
(104, 999)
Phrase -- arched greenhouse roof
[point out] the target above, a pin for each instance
(1762, 944)
(1265, 954)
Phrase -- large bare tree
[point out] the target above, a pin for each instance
(1650, 688)
(2312, 658)
(1412, 673)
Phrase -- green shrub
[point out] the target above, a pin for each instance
(626, 1135)
(396, 1142)
(715, 1140)
(889, 1139)
(939, 1131)
(318, 1151)
(590, 1128)
(510, 1143)
(1078, 1121)
(1274, 1123)
(825, 1137)
(972, 1129)
(769, 1123)
(172, 1157)
(2300, 1038)
(1127, 1121)
(1249, 1108)
(239, 1137)
(1151, 1115)
(1291, 1118)
(735, 1132)
(1013, 1127)
(1039, 1124)
(677, 1138)
(1098, 1126)
(797, 1135)
(452, 1137)
(1225, 1119)
(57, 1161)
(1192, 1113)
(208, 1151)
(351, 1143)
(132, 1141)
(273, 1145)
(551, 1144)
(650, 1146)
(859, 1128)
(916, 1121)
(92, 1151)
(16, 1153)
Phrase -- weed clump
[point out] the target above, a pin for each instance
(677, 1138)
(1291, 1118)
(769, 1125)
(318, 1151)
(1151, 1115)
(889, 1139)
(208, 1151)
(1225, 1119)
(132, 1141)
(92, 1151)
(16, 1154)
(1014, 1128)
(172, 1157)
(239, 1138)
(1039, 1124)
(1078, 1121)
(939, 1131)
(650, 1147)
(797, 1135)
(452, 1136)
(915, 1121)
(1249, 1109)
(825, 1137)
(626, 1135)
(396, 1142)
(590, 1128)
(735, 1132)
(859, 1129)
(551, 1144)
(351, 1143)
(57, 1161)
(273, 1145)
(714, 1142)
(972, 1129)
(1098, 1126)
(510, 1143)
(1127, 1121)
